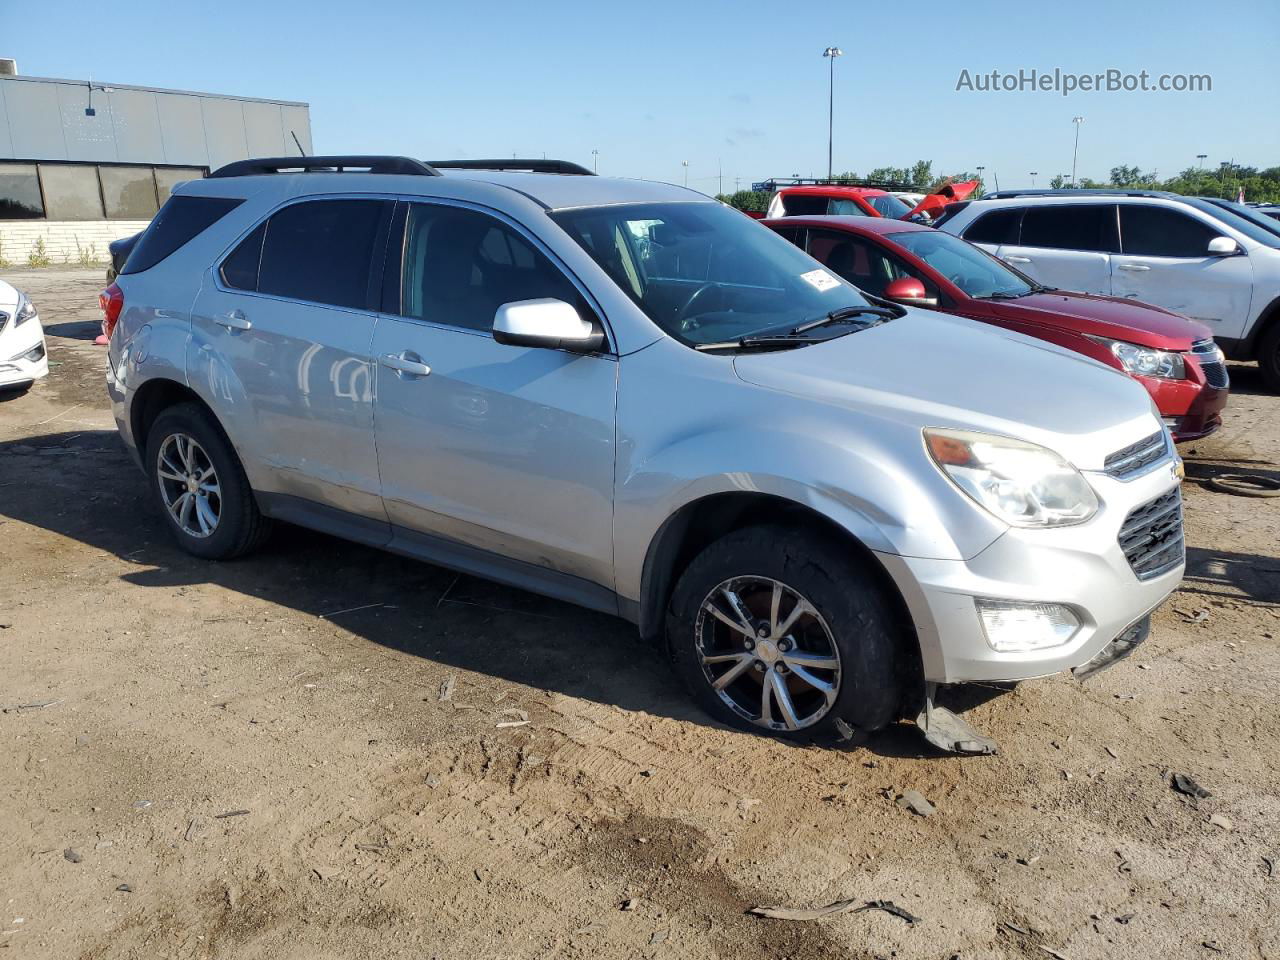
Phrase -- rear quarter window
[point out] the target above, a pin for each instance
(996, 226)
(179, 221)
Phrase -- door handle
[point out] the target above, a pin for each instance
(406, 362)
(1017, 259)
(235, 320)
(1135, 267)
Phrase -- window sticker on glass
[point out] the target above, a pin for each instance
(820, 280)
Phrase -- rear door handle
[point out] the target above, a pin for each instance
(406, 362)
(1017, 259)
(1135, 267)
(235, 320)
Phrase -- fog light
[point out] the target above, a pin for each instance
(34, 354)
(1012, 626)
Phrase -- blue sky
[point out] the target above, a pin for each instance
(739, 87)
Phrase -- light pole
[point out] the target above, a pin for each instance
(1033, 177)
(595, 161)
(831, 53)
(1075, 151)
(1200, 159)
(685, 164)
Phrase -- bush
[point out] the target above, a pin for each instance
(39, 255)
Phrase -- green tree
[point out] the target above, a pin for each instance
(754, 201)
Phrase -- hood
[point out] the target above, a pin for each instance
(930, 369)
(932, 205)
(1111, 317)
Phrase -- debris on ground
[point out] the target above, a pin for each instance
(192, 828)
(432, 780)
(1218, 820)
(658, 936)
(844, 731)
(34, 705)
(1185, 784)
(949, 732)
(915, 801)
(230, 813)
(1211, 945)
(840, 906)
(446, 688)
(124, 888)
(1053, 953)
(1016, 929)
(1112, 753)
(72, 855)
(515, 718)
(630, 904)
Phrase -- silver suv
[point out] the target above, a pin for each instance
(631, 397)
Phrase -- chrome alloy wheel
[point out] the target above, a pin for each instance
(189, 485)
(767, 653)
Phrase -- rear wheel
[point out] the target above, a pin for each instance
(1269, 357)
(777, 631)
(200, 485)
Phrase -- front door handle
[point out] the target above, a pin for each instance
(406, 362)
(1017, 259)
(1135, 267)
(235, 320)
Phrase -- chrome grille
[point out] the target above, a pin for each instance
(1151, 536)
(1131, 460)
(1212, 363)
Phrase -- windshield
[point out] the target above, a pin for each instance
(704, 272)
(1262, 232)
(889, 206)
(970, 268)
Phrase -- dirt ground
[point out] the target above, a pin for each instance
(255, 760)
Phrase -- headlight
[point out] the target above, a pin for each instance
(1146, 361)
(26, 310)
(1022, 483)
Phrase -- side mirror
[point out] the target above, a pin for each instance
(1223, 247)
(908, 291)
(548, 323)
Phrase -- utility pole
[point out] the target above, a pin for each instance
(1075, 151)
(831, 53)
(595, 161)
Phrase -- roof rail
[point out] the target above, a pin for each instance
(1076, 192)
(775, 183)
(333, 164)
(528, 166)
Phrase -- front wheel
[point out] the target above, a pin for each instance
(776, 630)
(1269, 358)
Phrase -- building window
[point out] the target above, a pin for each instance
(71, 192)
(87, 191)
(20, 192)
(129, 193)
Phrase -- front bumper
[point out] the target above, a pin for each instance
(22, 362)
(1082, 567)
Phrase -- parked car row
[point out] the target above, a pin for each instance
(823, 502)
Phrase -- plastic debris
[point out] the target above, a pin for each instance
(72, 855)
(446, 688)
(1218, 820)
(1185, 784)
(840, 906)
(915, 801)
(124, 888)
(515, 718)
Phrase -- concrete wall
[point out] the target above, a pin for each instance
(63, 240)
(44, 119)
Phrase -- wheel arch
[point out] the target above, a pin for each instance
(700, 522)
(152, 399)
(1268, 319)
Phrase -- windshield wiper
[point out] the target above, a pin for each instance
(1037, 288)
(774, 341)
(849, 313)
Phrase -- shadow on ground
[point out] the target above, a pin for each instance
(85, 487)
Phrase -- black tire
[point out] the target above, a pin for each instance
(1269, 357)
(848, 597)
(240, 527)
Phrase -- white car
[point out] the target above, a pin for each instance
(1185, 254)
(22, 354)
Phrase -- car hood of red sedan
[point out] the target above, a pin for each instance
(1110, 317)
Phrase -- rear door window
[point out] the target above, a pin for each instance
(1084, 226)
(1159, 232)
(180, 220)
(997, 226)
(322, 251)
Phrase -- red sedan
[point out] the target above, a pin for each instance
(1173, 357)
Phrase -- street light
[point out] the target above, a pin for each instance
(1200, 159)
(1076, 149)
(685, 164)
(831, 53)
(595, 161)
(1033, 177)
